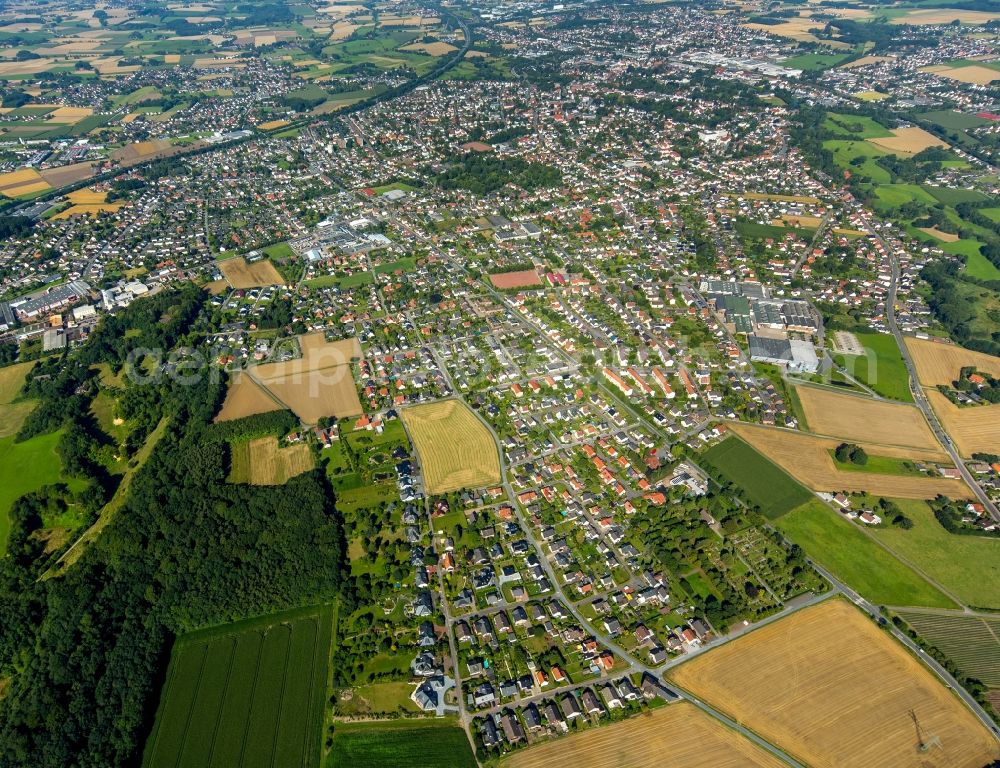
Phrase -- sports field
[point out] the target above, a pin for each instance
(248, 694)
(975, 429)
(940, 363)
(456, 449)
(833, 690)
(679, 736)
(852, 556)
(764, 483)
(262, 462)
(807, 458)
(423, 743)
(862, 419)
(972, 642)
(259, 274)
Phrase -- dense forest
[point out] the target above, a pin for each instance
(85, 650)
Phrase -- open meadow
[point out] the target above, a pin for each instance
(261, 462)
(975, 429)
(678, 736)
(880, 366)
(851, 555)
(13, 414)
(939, 362)
(258, 274)
(968, 566)
(423, 743)
(830, 688)
(249, 694)
(456, 449)
(861, 419)
(807, 458)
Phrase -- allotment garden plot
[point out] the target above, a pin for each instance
(456, 449)
(830, 688)
(248, 694)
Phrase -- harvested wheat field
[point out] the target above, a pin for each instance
(865, 61)
(944, 16)
(68, 174)
(857, 418)
(456, 449)
(262, 462)
(142, 150)
(259, 274)
(944, 237)
(831, 689)
(437, 48)
(271, 125)
(314, 394)
(975, 429)
(909, 141)
(25, 181)
(973, 74)
(807, 459)
(940, 363)
(678, 736)
(87, 202)
(245, 398)
(317, 354)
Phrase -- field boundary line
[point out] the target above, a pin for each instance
(233, 643)
(190, 714)
(281, 695)
(253, 691)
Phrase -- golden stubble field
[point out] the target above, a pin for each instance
(807, 459)
(834, 691)
(456, 449)
(940, 363)
(975, 429)
(857, 418)
(319, 383)
(263, 462)
(678, 736)
(245, 397)
(908, 141)
(259, 274)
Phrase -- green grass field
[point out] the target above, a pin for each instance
(953, 195)
(423, 743)
(978, 266)
(813, 61)
(967, 566)
(846, 151)
(26, 467)
(846, 551)
(973, 643)
(955, 121)
(879, 465)
(249, 694)
(882, 368)
(765, 484)
(855, 126)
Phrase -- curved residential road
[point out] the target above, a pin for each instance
(918, 394)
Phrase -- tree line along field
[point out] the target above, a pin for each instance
(971, 641)
(831, 689)
(249, 694)
(765, 484)
(423, 743)
(851, 555)
(678, 735)
(456, 449)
